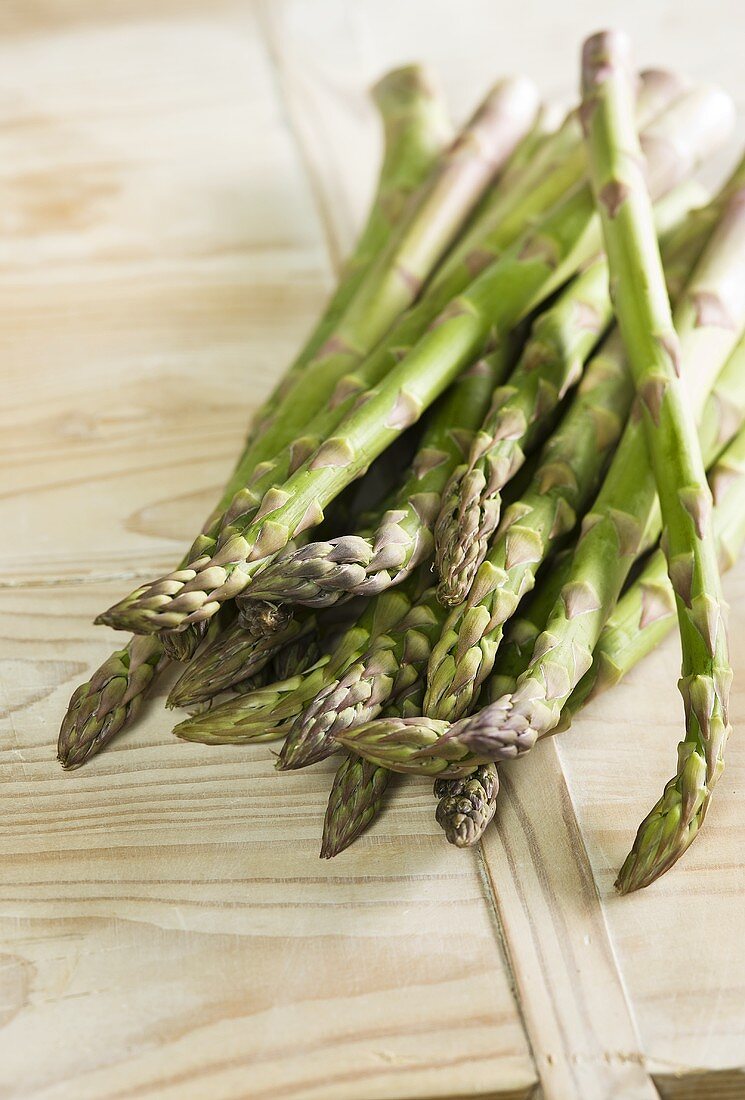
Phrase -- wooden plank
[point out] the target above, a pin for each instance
(679, 943)
(572, 998)
(587, 1031)
(168, 926)
(159, 262)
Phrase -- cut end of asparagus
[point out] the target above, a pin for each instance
(603, 51)
(264, 618)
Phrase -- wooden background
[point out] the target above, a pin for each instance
(177, 180)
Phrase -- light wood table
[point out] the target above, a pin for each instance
(177, 180)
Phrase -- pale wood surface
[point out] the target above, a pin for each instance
(178, 178)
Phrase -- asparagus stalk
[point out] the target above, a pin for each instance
(645, 321)
(232, 656)
(387, 620)
(321, 573)
(265, 714)
(271, 712)
(392, 664)
(617, 527)
(415, 128)
(522, 631)
(415, 131)
(504, 293)
(107, 702)
(558, 167)
(642, 619)
(568, 472)
(354, 802)
(395, 277)
(562, 653)
(466, 806)
(647, 612)
(698, 119)
(521, 413)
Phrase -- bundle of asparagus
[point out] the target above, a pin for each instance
(512, 292)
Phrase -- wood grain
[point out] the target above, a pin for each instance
(167, 927)
(167, 904)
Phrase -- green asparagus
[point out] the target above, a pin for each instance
(354, 802)
(394, 661)
(521, 413)
(568, 472)
(645, 320)
(509, 725)
(321, 573)
(525, 274)
(466, 806)
(415, 128)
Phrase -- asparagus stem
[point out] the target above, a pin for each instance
(396, 619)
(321, 573)
(232, 656)
(568, 472)
(270, 712)
(521, 413)
(645, 320)
(415, 128)
(522, 631)
(399, 270)
(643, 617)
(505, 292)
(647, 612)
(354, 802)
(415, 131)
(626, 506)
(392, 664)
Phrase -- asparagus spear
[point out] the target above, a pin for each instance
(232, 656)
(415, 131)
(521, 632)
(400, 269)
(321, 573)
(531, 708)
(466, 806)
(270, 713)
(498, 298)
(111, 698)
(415, 128)
(568, 472)
(642, 619)
(388, 619)
(697, 119)
(645, 321)
(521, 413)
(616, 527)
(389, 667)
(647, 612)
(265, 714)
(354, 802)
